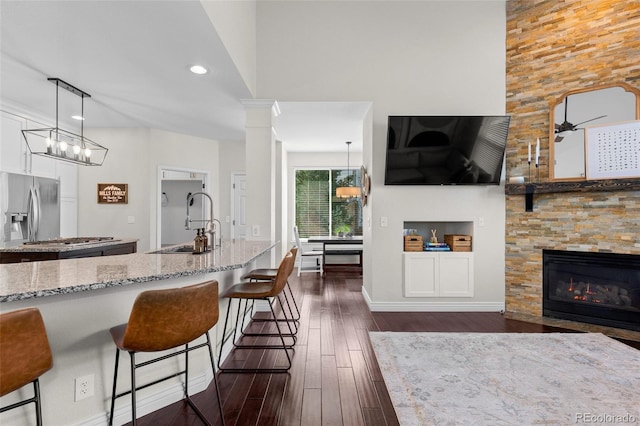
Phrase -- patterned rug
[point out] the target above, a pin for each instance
(509, 378)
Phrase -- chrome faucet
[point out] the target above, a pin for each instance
(219, 229)
(210, 228)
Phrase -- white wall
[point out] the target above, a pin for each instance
(235, 23)
(407, 58)
(134, 157)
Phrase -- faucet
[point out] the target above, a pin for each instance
(210, 228)
(219, 228)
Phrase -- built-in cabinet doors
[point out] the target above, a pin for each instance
(438, 274)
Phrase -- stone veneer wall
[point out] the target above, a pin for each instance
(553, 47)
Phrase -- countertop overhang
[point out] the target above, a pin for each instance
(20, 281)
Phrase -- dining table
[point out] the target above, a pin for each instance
(333, 246)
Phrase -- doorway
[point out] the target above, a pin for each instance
(175, 185)
(239, 206)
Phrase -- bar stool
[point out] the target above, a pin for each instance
(162, 320)
(25, 355)
(269, 274)
(261, 290)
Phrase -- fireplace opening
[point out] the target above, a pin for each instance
(596, 288)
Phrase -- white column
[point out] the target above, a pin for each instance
(261, 169)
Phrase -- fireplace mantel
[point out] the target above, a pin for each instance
(577, 186)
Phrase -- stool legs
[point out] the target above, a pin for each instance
(134, 387)
(35, 399)
(279, 334)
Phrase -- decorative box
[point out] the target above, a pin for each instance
(413, 243)
(458, 242)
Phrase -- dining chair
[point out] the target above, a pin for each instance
(317, 254)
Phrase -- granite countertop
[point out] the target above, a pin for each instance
(32, 248)
(20, 281)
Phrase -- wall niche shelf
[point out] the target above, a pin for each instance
(577, 186)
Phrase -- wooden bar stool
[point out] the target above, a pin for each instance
(261, 290)
(24, 355)
(162, 320)
(269, 274)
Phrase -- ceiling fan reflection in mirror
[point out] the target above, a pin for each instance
(565, 128)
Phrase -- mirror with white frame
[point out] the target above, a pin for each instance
(581, 108)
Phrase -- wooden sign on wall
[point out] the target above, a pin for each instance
(113, 193)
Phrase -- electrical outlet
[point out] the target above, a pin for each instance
(255, 230)
(84, 387)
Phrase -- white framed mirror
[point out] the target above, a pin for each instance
(577, 109)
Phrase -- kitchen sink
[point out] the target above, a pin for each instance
(177, 249)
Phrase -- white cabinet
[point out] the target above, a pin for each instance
(438, 274)
(68, 217)
(14, 153)
(67, 174)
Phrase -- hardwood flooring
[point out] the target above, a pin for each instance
(334, 378)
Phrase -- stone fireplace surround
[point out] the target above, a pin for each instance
(606, 219)
(551, 48)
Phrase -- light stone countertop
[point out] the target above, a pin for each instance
(57, 248)
(20, 281)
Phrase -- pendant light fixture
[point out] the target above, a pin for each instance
(348, 191)
(54, 142)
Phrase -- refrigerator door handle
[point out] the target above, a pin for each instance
(38, 212)
(33, 219)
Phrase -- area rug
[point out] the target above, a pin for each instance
(509, 378)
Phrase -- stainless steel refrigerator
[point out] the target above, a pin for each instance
(30, 208)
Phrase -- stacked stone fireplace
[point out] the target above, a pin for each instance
(587, 222)
(596, 288)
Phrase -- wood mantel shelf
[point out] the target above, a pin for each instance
(579, 186)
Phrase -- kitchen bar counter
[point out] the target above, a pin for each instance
(21, 281)
(81, 299)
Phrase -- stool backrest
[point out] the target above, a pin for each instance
(284, 270)
(24, 349)
(165, 319)
(294, 253)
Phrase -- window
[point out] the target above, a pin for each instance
(319, 211)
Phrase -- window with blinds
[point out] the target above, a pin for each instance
(318, 211)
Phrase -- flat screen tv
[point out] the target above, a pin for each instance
(445, 150)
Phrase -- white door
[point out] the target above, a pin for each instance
(239, 195)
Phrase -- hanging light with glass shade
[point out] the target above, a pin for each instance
(348, 191)
(54, 142)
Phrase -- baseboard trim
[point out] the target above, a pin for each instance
(432, 306)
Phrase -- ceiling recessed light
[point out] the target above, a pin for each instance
(77, 117)
(198, 69)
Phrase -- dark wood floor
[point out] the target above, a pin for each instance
(335, 379)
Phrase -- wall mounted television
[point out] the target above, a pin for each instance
(445, 150)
